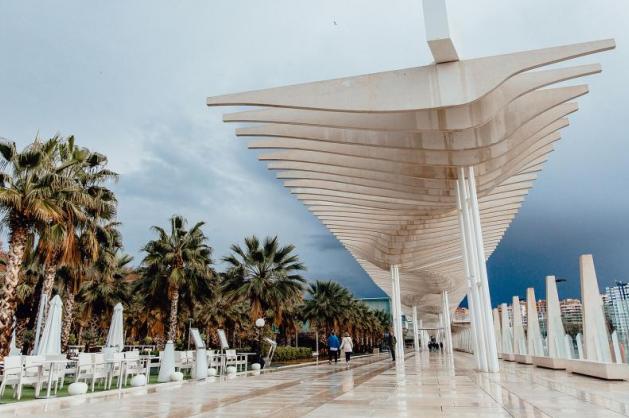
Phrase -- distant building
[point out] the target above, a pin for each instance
(616, 305)
(522, 312)
(461, 314)
(542, 311)
(572, 312)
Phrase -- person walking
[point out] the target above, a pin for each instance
(333, 347)
(390, 339)
(347, 346)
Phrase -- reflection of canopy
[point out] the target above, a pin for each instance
(375, 157)
(50, 342)
(115, 337)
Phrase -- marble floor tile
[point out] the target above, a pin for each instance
(429, 385)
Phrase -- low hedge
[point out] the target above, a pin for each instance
(287, 353)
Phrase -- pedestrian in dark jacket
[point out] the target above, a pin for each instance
(333, 348)
(391, 341)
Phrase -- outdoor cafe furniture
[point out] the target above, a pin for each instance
(133, 364)
(12, 374)
(238, 360)
(36, 371)
(184, 360)
(91, 367)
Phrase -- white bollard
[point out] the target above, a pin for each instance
(176, 377)
(77, 388)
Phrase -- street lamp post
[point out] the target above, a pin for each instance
(260, 325)
(189, 331)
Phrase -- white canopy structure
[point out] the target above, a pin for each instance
(419, 172)
(50, 342)
(115, 337)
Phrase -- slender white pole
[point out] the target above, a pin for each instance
(475, 304)
(400, 345)
(492, 351)
(43, 300)
(446, 316)
(395, 311)
(468, 275)
(415, 329)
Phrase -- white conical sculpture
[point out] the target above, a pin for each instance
(616, 345)
(497, 330)
(519, 340)
(569, 347)
(595, 337)
(167, 366)
(580, 346)
(507, 336)
(554, 326)
(50, 342)
(533, 333)
(115, 337)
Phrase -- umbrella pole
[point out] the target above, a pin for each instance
(40, 318)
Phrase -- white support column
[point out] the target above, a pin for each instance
(485, 308)
(397, 317)
(438, 31)
(447, 329)
(415, 329)
(394, 311)
(469, 260)
(400, 345)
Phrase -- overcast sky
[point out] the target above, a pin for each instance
(130, 79)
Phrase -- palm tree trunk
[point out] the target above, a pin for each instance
(50, 272)
(79, 337)
(20, 327)
(8, 297)
(172, 326)
(68, 317)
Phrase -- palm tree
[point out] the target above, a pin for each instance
(92, 240)
(27, 199)
(87, 198)
(266, 276)
(105, 286)
(326, 304)
(177, 262)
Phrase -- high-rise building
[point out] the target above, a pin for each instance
(571, 312)
(616, 304)
(542, 315)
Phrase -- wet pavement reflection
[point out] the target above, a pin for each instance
(429, 384)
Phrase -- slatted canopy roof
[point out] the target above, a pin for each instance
(375, 157)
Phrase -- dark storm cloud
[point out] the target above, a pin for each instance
(130, 79)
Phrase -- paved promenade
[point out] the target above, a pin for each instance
(428, 386)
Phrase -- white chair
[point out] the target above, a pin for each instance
(12, 375)
(116, 368)
(91, 367)
(32, 374)
(83, 367)
(182, 363)
(100, 369)
(60, 369)
(133, 364)
(234, 359)
(216, 360)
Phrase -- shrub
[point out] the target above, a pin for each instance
(287, 353)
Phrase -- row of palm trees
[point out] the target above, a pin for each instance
(60, 218)
(64, 238)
